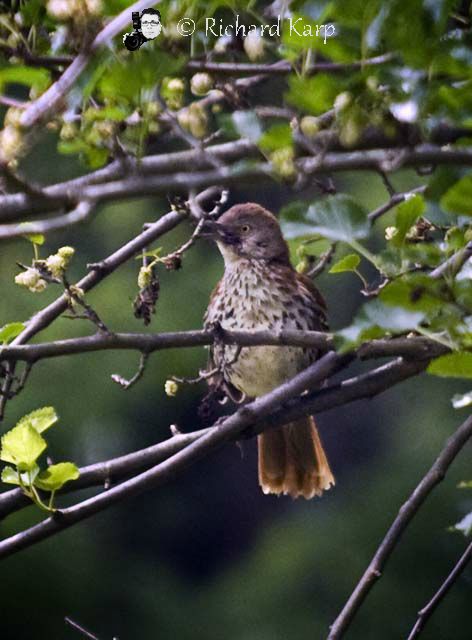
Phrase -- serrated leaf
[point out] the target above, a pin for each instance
(22, 446)
(452, 365)
(408, 213)
(247, 125)
(337, 217)
(11, 476)
(462, 400)
(56, 475)
(9, 331)
(348, 263)
(458, 199)
(40, 419)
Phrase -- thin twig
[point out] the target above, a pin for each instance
(395, 199)
(126, 384)
(426, 612)
(323, 261)
(454, 264)
(282, 67)
(81, 629)
(79, 214)
(406, 514)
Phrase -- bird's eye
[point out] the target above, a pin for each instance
(245, 228)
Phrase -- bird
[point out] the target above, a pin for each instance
(261, 290)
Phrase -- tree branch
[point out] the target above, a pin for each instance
(258, 415)
(104, 268)
(155, 175)
(396, 199)
(414, 347)
(282, 67)
(60, 195)
(108, 472)
(80, 213)
(406, 514)
(427, 611)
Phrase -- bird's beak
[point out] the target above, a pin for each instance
(219, 232)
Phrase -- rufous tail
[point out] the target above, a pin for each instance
(292, 460)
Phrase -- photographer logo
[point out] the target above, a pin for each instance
(145, 27)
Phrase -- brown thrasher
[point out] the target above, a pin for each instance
(261, 290)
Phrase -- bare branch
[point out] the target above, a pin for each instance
(454, 264)
(81, 629)
(406, 514)
(259, 415)
(108, 472)
(93, 187)
(126, 384)
(63, 195)
(395, 199)
(35, 60)
(282, 67)
(79, 214)
(425, 614)
(148, 342)
(413, 347)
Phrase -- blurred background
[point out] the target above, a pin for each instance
(207, 555)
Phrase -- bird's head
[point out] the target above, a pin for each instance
(248, 231)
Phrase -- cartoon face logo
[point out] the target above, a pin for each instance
(151, 23)
(145, 27)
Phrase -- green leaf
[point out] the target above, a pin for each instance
(276, 137)
(247, 125)
(348, 263)
(465, 484)
(143, 69)
(394, 319)
(22, 446)
(465, 525)
(29, 76)
(416, 292)
(452, 365)
(40, 419)
(314, 95)
(12, 476)
(337, 217)
(56, 476)
(9, 331)
(408, 213)
(374, 320)
(458, 199)
(35, 238)
(462, 400)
